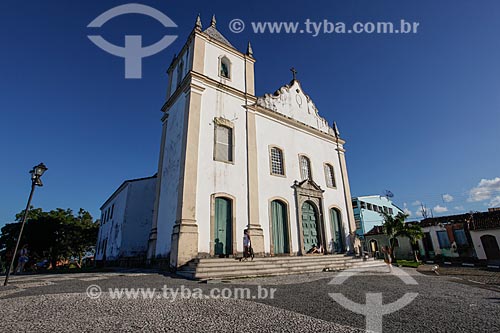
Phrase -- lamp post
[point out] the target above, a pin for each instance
(36, 174)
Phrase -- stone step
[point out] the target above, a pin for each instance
(259, 273)
(261, 265)
(274, 258)
(238, 271)
(257, 262)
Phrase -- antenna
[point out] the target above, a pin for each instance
(388, 194)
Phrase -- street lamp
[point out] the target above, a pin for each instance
(36, 174)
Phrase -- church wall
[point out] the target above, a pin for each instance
(138, 217)
(216, 176)
(168, 204)
(112, 230)
(295, 142)
(185, 60)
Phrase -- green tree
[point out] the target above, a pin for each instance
(396, 226)
(54, 235)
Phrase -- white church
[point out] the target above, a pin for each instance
(230, 161)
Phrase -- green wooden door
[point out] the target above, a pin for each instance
(280, 227)
(336, 219)
(223, 240)
(309, 226)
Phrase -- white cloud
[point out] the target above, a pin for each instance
(440, 209)
(459, 208)
(484, 190)
(495, 202)
(447, 198)
(416, 203)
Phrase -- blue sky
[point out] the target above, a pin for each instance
(420, 112)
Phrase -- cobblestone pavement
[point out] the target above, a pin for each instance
(485, 278)
(301, 302)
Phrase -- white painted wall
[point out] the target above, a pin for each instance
(138, 217)
(237, 75)
(295, 142)
(167, 209)
(128, 230)
(112, 230)
(476, 239)
(216, 176)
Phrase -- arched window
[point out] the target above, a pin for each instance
(330, 176)
(277, 167)
(305, 167)
(225, 68)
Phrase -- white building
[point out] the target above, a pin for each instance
(485, 235)
(230, 160)
(126, 219)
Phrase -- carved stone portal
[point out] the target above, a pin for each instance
(310, 192)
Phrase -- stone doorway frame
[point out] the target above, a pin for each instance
(212, 222)
(308, 190)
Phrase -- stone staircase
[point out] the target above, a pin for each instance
(230, 268)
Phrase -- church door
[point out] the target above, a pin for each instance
(223, 227)
(338, 241)
(309, 226)
(490, 247)
(279, 227)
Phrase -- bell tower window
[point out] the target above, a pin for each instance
(225, 68)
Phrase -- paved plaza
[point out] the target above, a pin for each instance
(445, 303)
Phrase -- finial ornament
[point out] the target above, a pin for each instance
(294, 73)
(198, 22)
(214, 21)
(336, 129)
(249, 50)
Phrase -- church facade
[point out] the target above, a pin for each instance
(231, 161)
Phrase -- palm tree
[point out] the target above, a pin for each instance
(413, 232)
(392, 225)
(395, 226)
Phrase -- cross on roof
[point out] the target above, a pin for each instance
(294, 72)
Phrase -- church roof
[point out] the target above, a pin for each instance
(122, 186)
(215, 34)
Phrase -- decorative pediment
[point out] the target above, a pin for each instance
(307, 185)
(291, 101)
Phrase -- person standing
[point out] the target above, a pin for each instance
(247, 245)
(23, 259)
